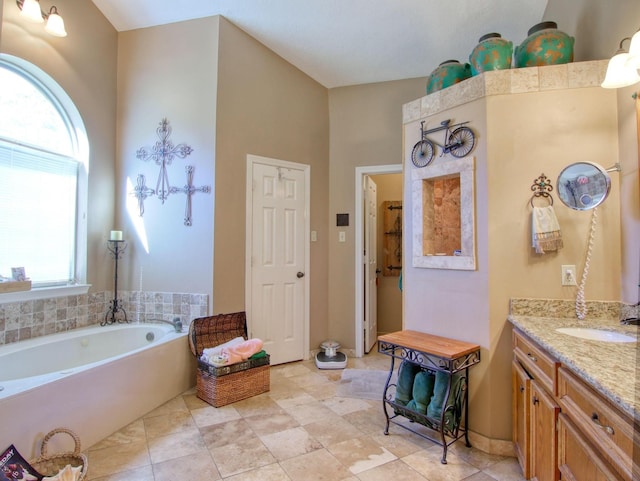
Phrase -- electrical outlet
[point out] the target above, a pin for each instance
(569, 275)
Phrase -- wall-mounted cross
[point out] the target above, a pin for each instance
(189, 189)
(163, 153)
(141, 192)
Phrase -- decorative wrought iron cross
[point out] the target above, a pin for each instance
(162, 153)
(141, 192)
(189, 190)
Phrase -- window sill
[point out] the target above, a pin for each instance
(44, 293)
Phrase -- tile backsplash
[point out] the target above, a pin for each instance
(34, 318)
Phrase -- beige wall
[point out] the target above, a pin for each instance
(161, 75)
(518, 137)
(84, 65)
(389, 188)
(269, 108)
(366, 130)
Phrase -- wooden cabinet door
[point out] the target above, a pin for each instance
(544, 441)
(520, 382)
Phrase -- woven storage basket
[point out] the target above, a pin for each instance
(222, 390)
(224, 385)
(51, 464)
(212, 331)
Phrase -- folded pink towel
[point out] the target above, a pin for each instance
(243, 351)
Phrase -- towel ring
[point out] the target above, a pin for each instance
(541, 188)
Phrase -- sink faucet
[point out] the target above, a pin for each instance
(176, 323)
(629, 314)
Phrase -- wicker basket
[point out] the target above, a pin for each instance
(222, 390)
(212, 331)
(227, 384)
(51, 464)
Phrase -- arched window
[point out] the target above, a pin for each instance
(43, 178)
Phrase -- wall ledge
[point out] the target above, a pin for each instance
(503, 82)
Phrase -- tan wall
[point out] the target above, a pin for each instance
(84, 65)
(269, 108)
(519, 137)
(389, 188)
(161, 75)
(366, 130)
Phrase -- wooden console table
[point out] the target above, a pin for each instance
(435, 354)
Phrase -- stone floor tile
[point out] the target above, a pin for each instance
(290, 443)
(361, 454)
(237, 458)
(116, 459)
(176, 445)
(427, 463)
(236, 431)
(395, 470)
(193, 466)
(165, 424)
(320, 464)
(271, 472)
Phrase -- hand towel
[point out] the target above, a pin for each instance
(545, 230)
(243, 351)
(210, 352)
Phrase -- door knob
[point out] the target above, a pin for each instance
(300, 275)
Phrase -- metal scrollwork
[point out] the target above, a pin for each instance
(163, 152)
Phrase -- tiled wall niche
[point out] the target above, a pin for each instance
(34, 318)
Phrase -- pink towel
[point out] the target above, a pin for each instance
(243, 351)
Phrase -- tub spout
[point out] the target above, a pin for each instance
(176, 323)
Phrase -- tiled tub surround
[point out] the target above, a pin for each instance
(608, 367)
(28, 319)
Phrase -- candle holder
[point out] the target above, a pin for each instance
(116, 312)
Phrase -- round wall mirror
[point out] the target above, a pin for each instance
(583, 185)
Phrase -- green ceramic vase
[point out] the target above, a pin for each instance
(545, 45)
(492, 53)
(446, 74)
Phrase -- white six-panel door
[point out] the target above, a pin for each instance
(278, 278)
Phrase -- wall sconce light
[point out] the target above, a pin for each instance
(622, 70)
(30, 10)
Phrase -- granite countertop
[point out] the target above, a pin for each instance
(609, 367)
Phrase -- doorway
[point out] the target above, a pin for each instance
(363, 301)
(277, 256)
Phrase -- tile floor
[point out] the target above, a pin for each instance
(298, 431)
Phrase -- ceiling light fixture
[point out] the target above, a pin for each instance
(30, 10)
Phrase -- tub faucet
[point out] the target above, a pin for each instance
(176, 323)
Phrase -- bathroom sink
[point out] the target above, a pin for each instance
(596, 334)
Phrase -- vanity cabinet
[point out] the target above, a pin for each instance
(535, 409)
(597, 423)
(563, 428)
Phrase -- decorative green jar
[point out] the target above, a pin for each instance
(545, 45)
(492, 53)
(446, 74)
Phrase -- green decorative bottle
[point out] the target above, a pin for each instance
(492, 53)
(446, 74)
(545, 45)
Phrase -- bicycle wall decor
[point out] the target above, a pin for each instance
(458, 140)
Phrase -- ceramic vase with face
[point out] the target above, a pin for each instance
(545, 45)
(492, 53)
(447, 74)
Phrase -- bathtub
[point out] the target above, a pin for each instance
(92, 380)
